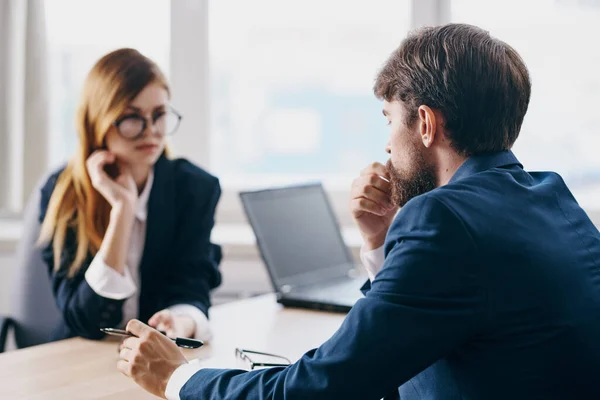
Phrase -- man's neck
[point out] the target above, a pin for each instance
(447, 167)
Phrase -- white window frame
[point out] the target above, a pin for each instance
(23, 151)
(189, 76)
(191, 92)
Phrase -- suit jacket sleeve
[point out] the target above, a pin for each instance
(196, 258)
(425, 302)
(83, 310)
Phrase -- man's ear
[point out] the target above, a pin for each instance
(427, 125)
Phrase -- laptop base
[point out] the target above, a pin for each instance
(313, 305)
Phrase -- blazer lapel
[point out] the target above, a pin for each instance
(160, 222)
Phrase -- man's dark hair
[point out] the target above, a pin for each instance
(479, 83)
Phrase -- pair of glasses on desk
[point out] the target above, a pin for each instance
(257, 359)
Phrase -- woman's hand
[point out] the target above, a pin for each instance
(120, 191)
(173, 325)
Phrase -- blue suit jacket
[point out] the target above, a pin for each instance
(490, 290)
(179, 265)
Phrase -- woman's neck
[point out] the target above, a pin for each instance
(140, 176)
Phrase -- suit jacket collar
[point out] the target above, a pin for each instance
(483, 162)
(161, 214)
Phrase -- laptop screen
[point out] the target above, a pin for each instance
(298, 234)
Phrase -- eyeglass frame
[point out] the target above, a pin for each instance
(120, 120)
(242, 354)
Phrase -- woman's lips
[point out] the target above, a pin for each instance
(147, 147)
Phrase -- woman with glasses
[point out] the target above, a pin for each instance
(126, 230)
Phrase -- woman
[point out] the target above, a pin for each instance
(127, 230)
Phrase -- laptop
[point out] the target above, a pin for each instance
(302, 247)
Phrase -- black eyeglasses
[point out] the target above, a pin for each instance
(261, 359)
(132, 126)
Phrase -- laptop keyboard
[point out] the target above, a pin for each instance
(341, 290)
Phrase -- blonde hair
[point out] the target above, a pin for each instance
(113, 82)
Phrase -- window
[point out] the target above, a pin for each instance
(79, 33)
(557, 40)
(291, 88)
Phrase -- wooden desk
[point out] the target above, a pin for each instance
(83, 369)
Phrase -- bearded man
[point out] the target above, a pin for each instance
(486, 283)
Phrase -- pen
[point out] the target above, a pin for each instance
(181, 342)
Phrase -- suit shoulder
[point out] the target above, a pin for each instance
(188, 173)
(192, 184)
(431, 209)
(428, 216)
(454, 196)
(426, 202)
(51, 179)
(47, 188)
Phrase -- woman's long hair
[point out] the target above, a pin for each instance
(114, 81)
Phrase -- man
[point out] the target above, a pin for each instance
(490, 288)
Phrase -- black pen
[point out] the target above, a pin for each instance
(181, 342)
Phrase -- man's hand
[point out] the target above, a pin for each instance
(371, 204)
(150, 358)
(173, 325)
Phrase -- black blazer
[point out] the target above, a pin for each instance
(179, 264)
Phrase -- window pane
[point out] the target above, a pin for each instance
(292, 87)
(557, 39)
(82, 31)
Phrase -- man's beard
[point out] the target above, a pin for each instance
(408, 184)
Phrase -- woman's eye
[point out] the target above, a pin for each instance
(158, 115)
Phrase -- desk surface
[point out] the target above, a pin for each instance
(82, 369)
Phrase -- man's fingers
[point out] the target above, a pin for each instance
(138, 328)
(376, 168)
(363, 188)
(373, 180)
(130, 343)
(125, 354)
(362, 204)
(377, 182)
(124, 367)
(381, 198)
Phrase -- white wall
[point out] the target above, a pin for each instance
(6, 274)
